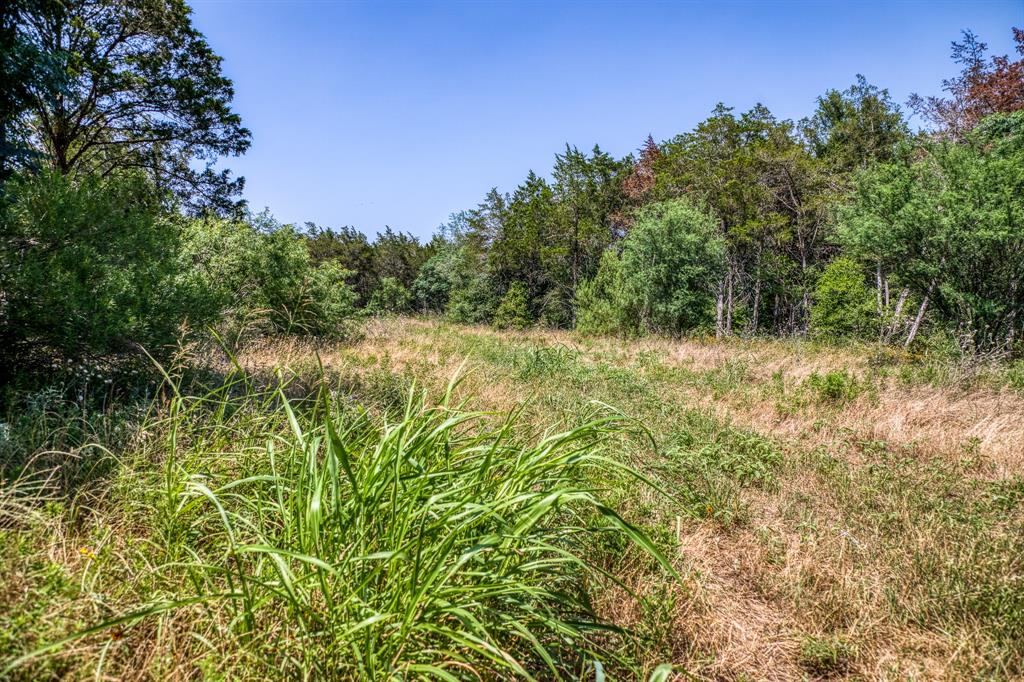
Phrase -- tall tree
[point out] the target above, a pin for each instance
(139, 88)
(856, 127)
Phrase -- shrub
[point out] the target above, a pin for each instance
(843, 307)
(234, 274)
(835, 388)
(664, 280)
(472, 302)
(86, 265)
(601, 307)
(513, 311)
(389, 298)
(433, 285)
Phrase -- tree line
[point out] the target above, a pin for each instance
(119, 228)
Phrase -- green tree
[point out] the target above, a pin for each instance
(138, 87)
(513, 312)
(350, 249)
(602, 307)
(671, 260)
(844, 306)
(389, 298)
(854, 128)
(772, 200)
(86, 266)
(947, 222)
(398, 255)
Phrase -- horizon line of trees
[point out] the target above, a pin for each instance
(118, 229)
(844, 224)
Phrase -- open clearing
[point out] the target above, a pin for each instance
(833, 512)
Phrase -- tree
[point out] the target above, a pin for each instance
(602, 306)
(513, 311)
(670, 262)
(86, 267)
(950, 225)
(22, 69)
(139, 88)
(390, 297)
(588, 193)
(843, 305)
(855, 128)
(398, 255)
(350, 249)
(983, 87)
(771, 198)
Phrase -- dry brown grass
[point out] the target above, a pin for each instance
(797, 569)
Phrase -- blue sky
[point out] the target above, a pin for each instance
(379, 113)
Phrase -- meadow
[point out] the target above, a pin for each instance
(456, 502)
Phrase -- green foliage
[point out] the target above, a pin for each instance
(855, 128)
(472, 302)
(843, 305)
(86, 265)
(601, 305)
(671, 261)
(438, 278)
(835, 387)
(664, 279)
(513, 312)
(948, 225)
(389, 298)
(238, 279)
(137, 87)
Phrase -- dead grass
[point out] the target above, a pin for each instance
(817, 579)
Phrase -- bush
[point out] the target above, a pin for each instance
(664, 279)
(672, 260)
(389, 298)
(835, 388)
(86, 265)
(601, 306)
(513, 311)
(843, 307)
(472, 302)
(433, 285)
(239, 277)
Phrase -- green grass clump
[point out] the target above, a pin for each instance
(826, 656)
(318, 539)
(835, 387)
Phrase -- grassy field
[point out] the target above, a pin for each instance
(740, 510)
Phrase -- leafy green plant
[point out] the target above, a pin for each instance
(513, 311)
(389, 298)
(835, 387)
(843, 306)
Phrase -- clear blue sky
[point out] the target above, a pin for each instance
(378, 113)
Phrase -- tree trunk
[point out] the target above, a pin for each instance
(719, 308)
(757, 304)
(728, 309)
(878, 289)
(895, 321)
(920, 316)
